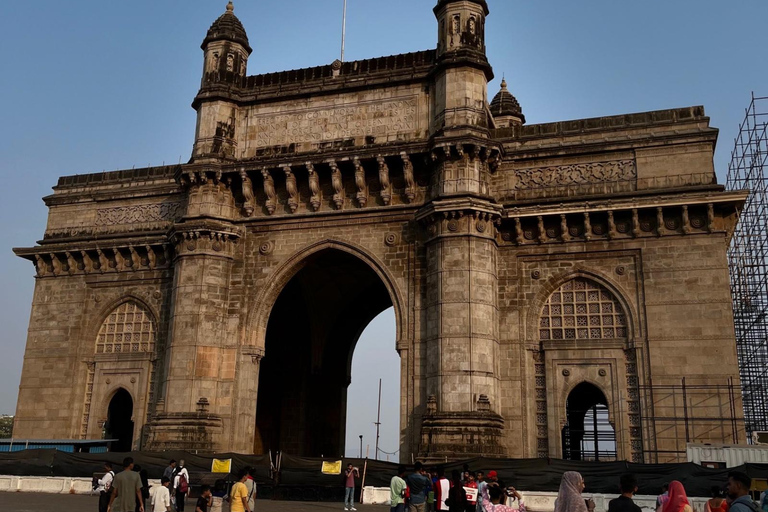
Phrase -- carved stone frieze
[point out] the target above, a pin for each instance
(575, 174)
(140, 213)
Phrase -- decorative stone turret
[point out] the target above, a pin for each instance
(506, 109)
(226, 51)
(226, 46)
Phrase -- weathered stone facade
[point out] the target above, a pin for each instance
(226, 294)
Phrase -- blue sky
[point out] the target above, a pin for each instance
(89, 86)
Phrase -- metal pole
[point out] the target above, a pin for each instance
(343, 30)
(361, 446)
(378, 423)
(685, 413)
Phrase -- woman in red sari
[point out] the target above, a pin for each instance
(678, 500)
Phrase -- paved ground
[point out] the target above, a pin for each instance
(30, 502)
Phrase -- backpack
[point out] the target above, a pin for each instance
(108, 485)
(183, 484)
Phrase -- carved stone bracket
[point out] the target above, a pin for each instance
(592, 223)
(314, 187)
(98, 260)
(410, 184)
(269, 191)
(205, 240)
(386, 186)
(291, 188)
(338, 185)
(360, 183)
(248, 197)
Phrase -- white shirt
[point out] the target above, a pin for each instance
(182, 471)
(161, 498)
(106, 480)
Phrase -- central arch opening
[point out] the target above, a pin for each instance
(588, 433)
(311, 335)
(120, 421)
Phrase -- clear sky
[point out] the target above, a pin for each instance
(89, 86)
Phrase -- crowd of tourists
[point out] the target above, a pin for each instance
(421, 490)
(129, 490)
(468, 491)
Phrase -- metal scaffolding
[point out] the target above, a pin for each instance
(748, 262)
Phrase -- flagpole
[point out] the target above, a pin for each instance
(343, 30)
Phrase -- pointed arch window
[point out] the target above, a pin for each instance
(582, 309)
(130, 327)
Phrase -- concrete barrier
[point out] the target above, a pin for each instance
(49, 484)
(543, 501)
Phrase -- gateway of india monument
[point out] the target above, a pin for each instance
(560, 290)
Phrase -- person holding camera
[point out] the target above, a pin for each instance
(349, 486)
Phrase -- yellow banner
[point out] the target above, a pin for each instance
(221, 466)
(332, 468)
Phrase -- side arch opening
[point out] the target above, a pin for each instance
(588, 433)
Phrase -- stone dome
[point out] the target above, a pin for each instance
(228, 28)
(504, 104)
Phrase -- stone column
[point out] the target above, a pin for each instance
(201, 354)
(462, 417)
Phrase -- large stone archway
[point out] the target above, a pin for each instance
(311, 334)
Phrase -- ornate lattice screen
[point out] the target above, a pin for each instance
(128, 328)
(582, 309)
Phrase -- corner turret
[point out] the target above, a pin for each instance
(226, 46)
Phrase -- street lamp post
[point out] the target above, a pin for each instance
(361, 446)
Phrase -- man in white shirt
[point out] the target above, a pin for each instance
(160, 496)
(105, 487)
(180, 485)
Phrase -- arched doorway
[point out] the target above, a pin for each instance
(588, 433)
(120, 421)
(312, 331)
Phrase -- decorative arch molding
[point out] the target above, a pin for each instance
(555, 282)
(279, 278)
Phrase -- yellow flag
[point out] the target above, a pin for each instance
(332, 468)
(221, 466)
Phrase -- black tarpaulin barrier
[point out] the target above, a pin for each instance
(302, 477)
(28, 463)
(58, 463)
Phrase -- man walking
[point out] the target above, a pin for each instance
(160, 496)
(738, 488)
(168, 473)
(180, 485)
(126, 490)
(105, 487)
(397, 491)
(624, 503)
(419, 485)
(349, 487)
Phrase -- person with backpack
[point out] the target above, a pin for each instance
(250, 485)
(738, 488)
(105, 486)
(180, 485)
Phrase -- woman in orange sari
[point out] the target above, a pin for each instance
(678, 500)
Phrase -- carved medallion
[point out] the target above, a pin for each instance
(266, 247)
(391, 239)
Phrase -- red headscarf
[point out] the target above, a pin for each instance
(677, 498)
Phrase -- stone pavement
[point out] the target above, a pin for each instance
(32, 502)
